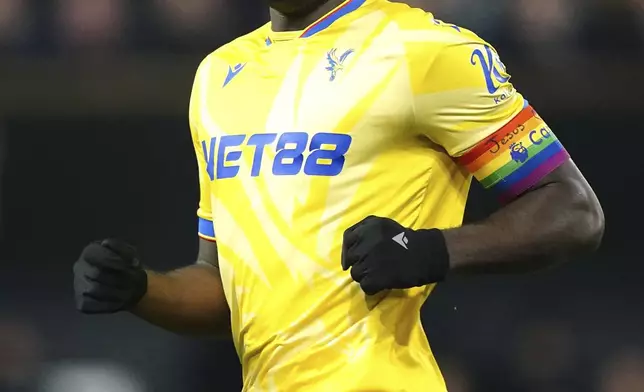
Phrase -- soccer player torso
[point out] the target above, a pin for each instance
(302, 135)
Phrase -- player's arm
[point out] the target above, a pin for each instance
(108, 276)
(466, 104)
(558, 217)
(550, 211)
(189, 300)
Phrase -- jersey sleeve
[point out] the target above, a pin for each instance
(465, 102)
(200, 142)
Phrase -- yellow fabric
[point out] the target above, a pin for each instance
(406, 92)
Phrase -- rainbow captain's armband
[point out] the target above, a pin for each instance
(206, 229)
(517, 156)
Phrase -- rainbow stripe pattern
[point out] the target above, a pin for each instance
(517, 156)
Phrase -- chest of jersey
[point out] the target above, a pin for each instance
(298, 108)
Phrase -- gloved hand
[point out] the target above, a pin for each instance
(384, 255)
(108, 278)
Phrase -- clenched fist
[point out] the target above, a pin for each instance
(108, 278)
(384, 255)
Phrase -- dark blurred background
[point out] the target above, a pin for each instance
(94, 142)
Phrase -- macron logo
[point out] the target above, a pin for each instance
(232, 72)
(401, 240)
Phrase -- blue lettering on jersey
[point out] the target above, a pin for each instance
(290, 150)
(536, 137)
(223, 156)
(493, 68)
(322, 155)
(259, 140)
(209, 156)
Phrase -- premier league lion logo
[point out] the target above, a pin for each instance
(518, 152)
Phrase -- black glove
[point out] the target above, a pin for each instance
(384, 255)
(108, 278)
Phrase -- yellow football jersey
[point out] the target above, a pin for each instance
(300, 135)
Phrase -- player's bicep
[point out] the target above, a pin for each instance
(473, 111)
(208, 253)
(571, 177)
(517, 157)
